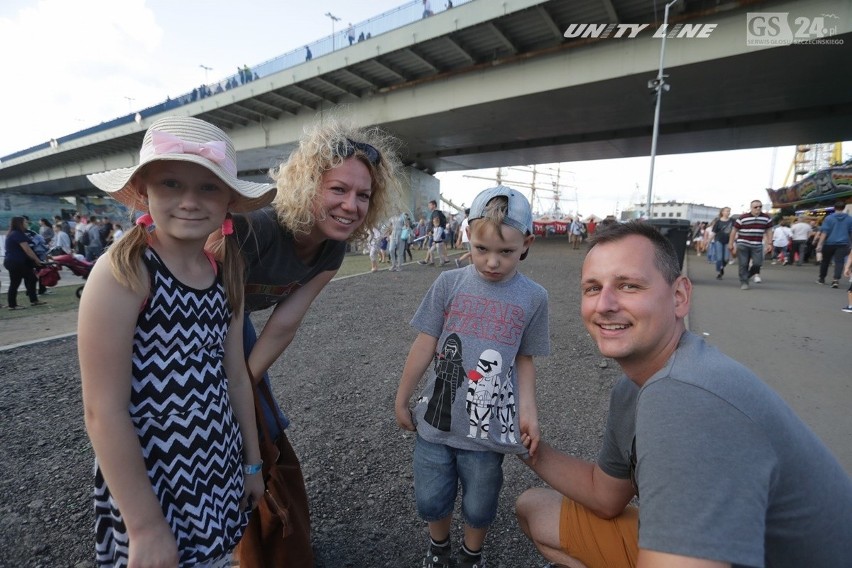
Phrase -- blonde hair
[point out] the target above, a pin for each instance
(493, 214)
(125, 256)
(298, 201)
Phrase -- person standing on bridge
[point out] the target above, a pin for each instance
(726, 473)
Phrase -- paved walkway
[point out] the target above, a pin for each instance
(791, 332)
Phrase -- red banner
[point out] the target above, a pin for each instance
(551, 226)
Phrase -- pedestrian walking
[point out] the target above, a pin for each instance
(721, 229)
(20, 260)
(835, 236)
(749, 241)
(802, 232)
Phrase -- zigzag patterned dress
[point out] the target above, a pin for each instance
(180, 408)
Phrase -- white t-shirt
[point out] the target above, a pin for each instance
(801, 231)
(781, 236)
(463, 229)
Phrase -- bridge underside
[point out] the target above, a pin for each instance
(522, 95)
(754, 100)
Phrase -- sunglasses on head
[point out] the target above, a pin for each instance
(347, 148)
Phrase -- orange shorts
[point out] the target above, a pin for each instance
(597, 542)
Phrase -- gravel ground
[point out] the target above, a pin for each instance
(338, 382)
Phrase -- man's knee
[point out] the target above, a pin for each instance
(538, 507)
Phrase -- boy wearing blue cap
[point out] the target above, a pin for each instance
(478, 403)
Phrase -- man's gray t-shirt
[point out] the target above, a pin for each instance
(726, 471)
(471, 400)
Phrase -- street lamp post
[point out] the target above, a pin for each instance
(658, 85)
(130, 103)
(206, 70)
(333, 19)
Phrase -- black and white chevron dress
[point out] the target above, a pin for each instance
(180, 408)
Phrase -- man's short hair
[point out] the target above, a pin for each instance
(665, 256)
(433, 202)
(839, 206)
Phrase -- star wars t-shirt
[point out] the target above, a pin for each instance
(470, 400)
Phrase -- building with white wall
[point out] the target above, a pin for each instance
(693, 212)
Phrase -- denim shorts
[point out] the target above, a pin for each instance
(437, 472)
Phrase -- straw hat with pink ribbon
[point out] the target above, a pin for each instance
(186, 139)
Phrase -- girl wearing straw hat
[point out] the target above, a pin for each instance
(172, 426)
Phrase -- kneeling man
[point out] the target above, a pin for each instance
(725, 472)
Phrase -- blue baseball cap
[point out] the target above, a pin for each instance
(518, 211)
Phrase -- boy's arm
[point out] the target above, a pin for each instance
(420, 355)
(527, 410)
(240, 391)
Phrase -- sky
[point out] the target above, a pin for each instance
(87, 61)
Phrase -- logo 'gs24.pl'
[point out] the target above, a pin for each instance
(779, 28)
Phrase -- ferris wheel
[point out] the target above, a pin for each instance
(810, 158)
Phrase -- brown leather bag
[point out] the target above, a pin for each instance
(279, 532)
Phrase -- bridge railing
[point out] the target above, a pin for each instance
(392, 19)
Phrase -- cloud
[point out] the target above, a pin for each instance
(73, 60)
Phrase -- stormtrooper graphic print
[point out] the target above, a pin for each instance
(470, 397)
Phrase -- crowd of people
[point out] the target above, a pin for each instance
(752, 237)
(29, 246)
(723, 472)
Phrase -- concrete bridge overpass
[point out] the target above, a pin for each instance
(497, 83)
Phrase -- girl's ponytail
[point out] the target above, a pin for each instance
(125, 257)
(226, 250)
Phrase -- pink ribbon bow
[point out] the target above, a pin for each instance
(165, 143)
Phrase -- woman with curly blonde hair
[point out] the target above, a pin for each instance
(335, 186)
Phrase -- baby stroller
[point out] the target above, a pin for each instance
(77, 266)
(48, 275)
